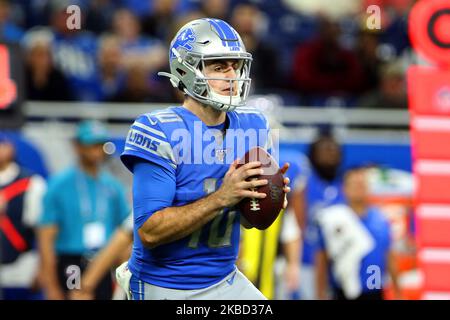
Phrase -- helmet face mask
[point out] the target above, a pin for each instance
(198, 43)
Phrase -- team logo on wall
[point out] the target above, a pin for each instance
(442, 99)
(429, 30)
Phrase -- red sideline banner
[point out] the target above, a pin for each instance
(429, 91)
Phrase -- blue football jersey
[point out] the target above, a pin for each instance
(198, 157)
(378, 226)
(75, 56)
(319, 194)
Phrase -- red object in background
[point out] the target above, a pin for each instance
(428, 142)
(433, 223)
(429, 105)
(6, 226)
(8, 89)
(433, 188)
(10, 232)
(429, 23)
(429, 90)
(435, 265)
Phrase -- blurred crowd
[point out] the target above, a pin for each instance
(309, 52)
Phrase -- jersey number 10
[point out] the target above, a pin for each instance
(215, 240)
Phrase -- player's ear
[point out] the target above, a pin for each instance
(77, 146)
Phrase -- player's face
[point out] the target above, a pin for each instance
(356, 187)
(6, 153)
(92, 155)
(222, 69)
(328, 154)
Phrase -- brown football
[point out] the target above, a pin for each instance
(261, 213)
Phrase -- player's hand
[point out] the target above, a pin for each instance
(286, 181)
(81, 295)
(235, 187)
(55, 293)
(3, 203)
(292, 276)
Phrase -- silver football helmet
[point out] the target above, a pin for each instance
(202, 40)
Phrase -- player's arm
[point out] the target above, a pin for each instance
(292, 273)
(298, 204)
(321, 261)
(322, 265)
(47, 232)
(393, 273)
(170, 223)
(103, 262)
(48, 270)
(291, 243)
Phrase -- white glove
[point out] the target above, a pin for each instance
(123, 276)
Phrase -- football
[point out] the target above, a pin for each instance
(261, 213)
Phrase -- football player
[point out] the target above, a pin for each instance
(186, 181)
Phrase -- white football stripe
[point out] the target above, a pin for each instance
(431, 123)
(149, 129)
(435, 255)
(432, 211)
(432, 167)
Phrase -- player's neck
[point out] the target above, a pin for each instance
(4, 165)
(90, 169)
(360, 208)
(208, 115)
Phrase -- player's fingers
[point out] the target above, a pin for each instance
(250, 165)
(287, 189)
(285, 203)
(253, 183)
(250, 173)
(286, 181)
(252, 194)
(285, 167)
(232, 167)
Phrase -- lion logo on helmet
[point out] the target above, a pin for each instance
(184, 40)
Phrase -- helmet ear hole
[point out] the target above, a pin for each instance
(181, 72)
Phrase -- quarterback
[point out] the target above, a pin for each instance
(186, 226)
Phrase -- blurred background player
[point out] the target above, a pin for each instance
(320, 188)
(21, 193)
(354, 246)
(83, 207)
(44, 81)
(249, 21)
